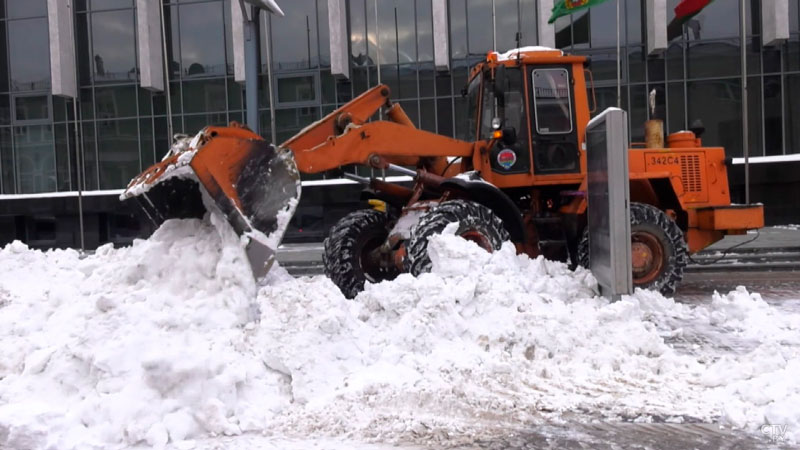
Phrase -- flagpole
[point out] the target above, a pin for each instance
(745, 130)
(494, 29)
(619, 63)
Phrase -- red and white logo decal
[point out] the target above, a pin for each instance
(506, 158)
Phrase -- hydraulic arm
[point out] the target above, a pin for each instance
(346, 136)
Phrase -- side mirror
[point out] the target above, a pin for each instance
(590, 87)
(509, 135)
(500, 75)
(499, 82)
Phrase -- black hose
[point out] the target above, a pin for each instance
(725, 253)
(449, 164)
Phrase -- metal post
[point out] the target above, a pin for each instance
(268, 46)
(79, 168)
(308, 42)
(745, 130)
(494, 28)
(619, 64)
(79, 171)
(167, 71)
(377, 46)
(377, 62)
(251, 66)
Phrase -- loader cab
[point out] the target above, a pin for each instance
(533, 105)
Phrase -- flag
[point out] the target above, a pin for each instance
(565, 7)
(683, 12)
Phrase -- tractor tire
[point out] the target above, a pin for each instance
(477, 223)
(346, 250)
(658, 249)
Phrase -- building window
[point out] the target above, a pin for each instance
(28, 52)
(296, 90)
(118, 149)
(26, 8)
(31, 108)
(35, 154)
(202, 40)
(113, 56)
(295, 45)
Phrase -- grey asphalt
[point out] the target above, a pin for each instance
(779, 237)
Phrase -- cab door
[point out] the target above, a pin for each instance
(555, 142)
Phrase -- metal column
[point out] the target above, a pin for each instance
(251, 66)
(745, 128)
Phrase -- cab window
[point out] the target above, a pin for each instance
(551, 98)
(488, 111)
(510, 109)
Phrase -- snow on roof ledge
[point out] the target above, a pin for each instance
(512, 54)
(768, 159)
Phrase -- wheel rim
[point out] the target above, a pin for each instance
(647, 257)
(479, 238)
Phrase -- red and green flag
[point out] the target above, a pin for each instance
(565, 7)
(683, 12)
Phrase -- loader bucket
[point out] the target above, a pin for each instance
(228, 171)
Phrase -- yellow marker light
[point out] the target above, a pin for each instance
(497, 134)
(377, 205)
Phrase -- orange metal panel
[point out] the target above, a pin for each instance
(689, 166)
(387, 139)
(223, 148)
(698, 175)
(356, 111)
(582, 115)
(220, 161)
(733, 217)
(700, 239)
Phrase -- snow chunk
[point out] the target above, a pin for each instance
(170, 340)
(514, 52)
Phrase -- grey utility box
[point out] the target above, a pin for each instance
(609, 202)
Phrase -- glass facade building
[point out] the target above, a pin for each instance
(122, 127)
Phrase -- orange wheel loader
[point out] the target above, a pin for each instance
(519, 176)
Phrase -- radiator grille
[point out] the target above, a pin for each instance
(690, 173)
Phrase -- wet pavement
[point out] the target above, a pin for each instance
(638, 436)
(783, 236)
(776, 286)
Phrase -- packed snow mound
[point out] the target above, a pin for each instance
(170, 339)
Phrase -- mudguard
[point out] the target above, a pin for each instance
(477, 189)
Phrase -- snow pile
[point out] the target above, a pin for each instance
(170, 339)
(127, 344)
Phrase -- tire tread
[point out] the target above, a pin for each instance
(644, 214)
(468, 213)
(341, 253)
